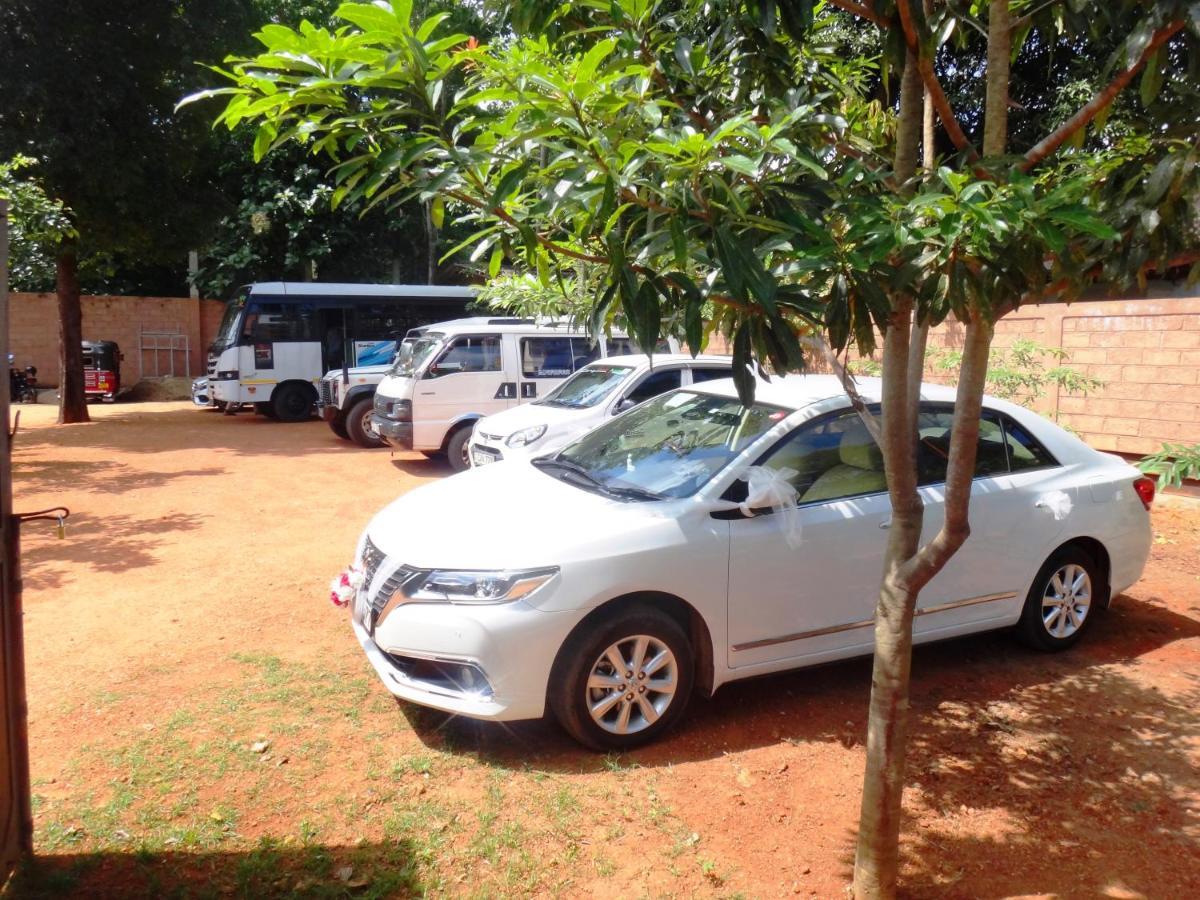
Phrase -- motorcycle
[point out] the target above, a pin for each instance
(22, 384)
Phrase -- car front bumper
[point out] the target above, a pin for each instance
(395, 434)
(512, 646)
(201, 395)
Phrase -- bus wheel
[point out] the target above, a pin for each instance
(265, 409)
(456, 449)
(292, 402)
(357, 420)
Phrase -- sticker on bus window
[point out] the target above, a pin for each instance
(374, 353)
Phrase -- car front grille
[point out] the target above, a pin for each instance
(326, 393)
(372, 559)
(212, 365)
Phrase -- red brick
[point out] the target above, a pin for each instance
(1160, 357)
(1120, 426)
(1124, 357)
(1182, 339)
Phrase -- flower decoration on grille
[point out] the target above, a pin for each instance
(344, 586)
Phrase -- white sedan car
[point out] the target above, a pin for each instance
(611, 579)
(596, 392)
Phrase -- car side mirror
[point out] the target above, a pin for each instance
(626, 404)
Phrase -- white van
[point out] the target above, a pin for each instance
(452, 374)
(595, 393)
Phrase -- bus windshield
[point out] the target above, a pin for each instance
(228, 330)
(414, 352)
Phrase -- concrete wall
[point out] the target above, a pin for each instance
(33, 332)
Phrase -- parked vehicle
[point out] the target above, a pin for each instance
(652, 555)
(201, 395)
(22, 383)
(101, 370)
(592, 395)
(277, 339)
(455, 373)
(346, 397)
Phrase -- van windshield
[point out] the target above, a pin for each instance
(587, 387)
(414, 352)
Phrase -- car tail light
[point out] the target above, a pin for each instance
(1145, 490)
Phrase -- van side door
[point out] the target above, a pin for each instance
(463, 382)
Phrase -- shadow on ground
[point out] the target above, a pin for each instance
(1076, 756)
(270, 870)
(104, 543)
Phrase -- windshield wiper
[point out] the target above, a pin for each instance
(630, 493)
(591, 482)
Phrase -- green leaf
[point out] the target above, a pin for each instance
(508, 183)
(496, 260)
(1152, 78)
(679, 243)
(437, 211)
(683, 54)
(1083, 219)
(743, 377)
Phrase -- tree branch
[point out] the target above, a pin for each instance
(862, 10)
(1103, 98)
(936, 94)
(820, 346)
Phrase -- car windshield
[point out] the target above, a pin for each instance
(668, 447)
(413, 353)
(587, 387)
(227, 331)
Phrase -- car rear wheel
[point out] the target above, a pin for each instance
(1062, 601)
(357, 421)
(457, 450)
(625, 682)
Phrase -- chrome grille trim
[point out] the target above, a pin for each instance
(326, 393)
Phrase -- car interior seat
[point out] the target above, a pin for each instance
(858, 471)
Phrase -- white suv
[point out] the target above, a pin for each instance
(595, 393)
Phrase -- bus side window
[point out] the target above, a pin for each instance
(268, 322)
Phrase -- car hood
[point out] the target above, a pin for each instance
(503, 424)
(351, 371)
(510, 515)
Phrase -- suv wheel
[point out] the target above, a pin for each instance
(357, 420)
(625, 682)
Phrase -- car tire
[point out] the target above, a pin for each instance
(338, 427)
(1063, 600)
(618, 717)
(292, 402)
(356, 424)
(456, 449)
(265, 409)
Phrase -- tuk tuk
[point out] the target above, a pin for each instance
(101, 369)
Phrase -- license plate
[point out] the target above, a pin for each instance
(481, 457)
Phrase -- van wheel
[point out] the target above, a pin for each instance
(456, 449)
(623, 682)
(292, 402)
(357, 420)
(1062, 601)
(338, 427)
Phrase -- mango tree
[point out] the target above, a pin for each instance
(732, 157)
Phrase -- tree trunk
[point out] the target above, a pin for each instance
(430, 243)
(72, 405)
(995, 115)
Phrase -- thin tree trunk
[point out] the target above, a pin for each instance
(995, 114)
(877, 856)
(430, 244)
(72, 406)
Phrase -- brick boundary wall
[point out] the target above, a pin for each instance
(1146, 351)
(33, 331)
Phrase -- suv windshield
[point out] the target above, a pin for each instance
(413, 353)
(587, 387)
(668, 447)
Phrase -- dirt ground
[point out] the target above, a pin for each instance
(202, 721)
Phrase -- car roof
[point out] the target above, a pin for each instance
(507, 325)
(344, 289)
(798, 391)
(659, 359)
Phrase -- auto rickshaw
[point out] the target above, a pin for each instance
(101, 369)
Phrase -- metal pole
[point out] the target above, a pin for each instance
(16, 829)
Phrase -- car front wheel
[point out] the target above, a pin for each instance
(1062, 601)
(625, 682)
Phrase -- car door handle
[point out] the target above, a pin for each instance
(886, 523)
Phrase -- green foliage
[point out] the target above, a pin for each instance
(1172, 464)
(37, 224)
(1022, 371)
(706, 154)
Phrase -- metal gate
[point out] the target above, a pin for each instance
(164, 347)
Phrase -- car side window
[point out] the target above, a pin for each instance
(832, 458)
(1023, 451)
(700, 374)
(468, 354)
(933, 447)
(549, 357)
(654, 384)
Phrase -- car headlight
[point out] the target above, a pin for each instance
(467, 586)
(525, 436)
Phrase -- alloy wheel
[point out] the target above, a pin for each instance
(632, 684)
(1066, 600)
